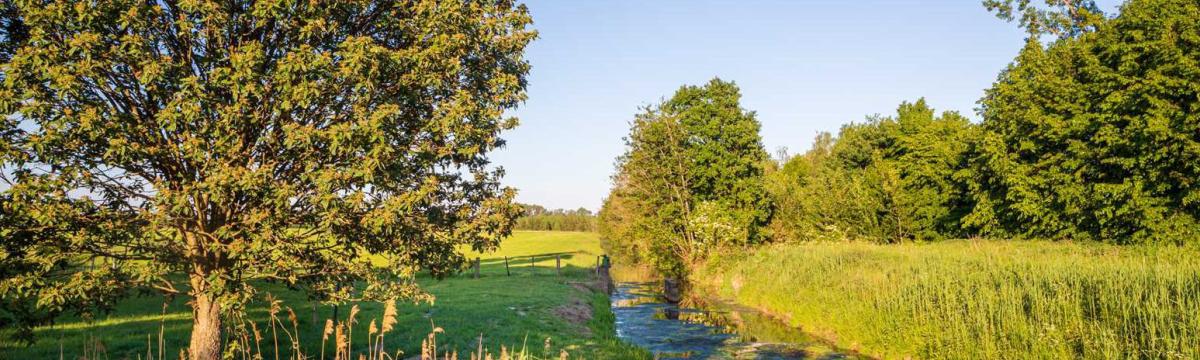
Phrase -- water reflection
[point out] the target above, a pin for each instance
(703, 329)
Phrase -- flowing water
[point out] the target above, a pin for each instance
(705, 329)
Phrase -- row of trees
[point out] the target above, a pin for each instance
(888, 179)
(1092, 133)
(536, 217)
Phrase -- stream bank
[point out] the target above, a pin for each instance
(700, 327)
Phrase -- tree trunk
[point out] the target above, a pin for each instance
(206, 328)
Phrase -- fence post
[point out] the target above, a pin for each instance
(477, 268)
(558, 264)
(531, 261)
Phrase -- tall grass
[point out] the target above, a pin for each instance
(505, 309)
(247, 341)
(279, 338)
(977, 299)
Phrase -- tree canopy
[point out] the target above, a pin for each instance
(236, 141)
(888, 179)
(1091, 136)
(690, 179)
(1098, 136)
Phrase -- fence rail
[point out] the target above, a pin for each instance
(511, 261)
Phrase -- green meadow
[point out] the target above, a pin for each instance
(976, 299)
(533, 307)
(1034, 194)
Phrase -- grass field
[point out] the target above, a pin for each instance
(977, 299)
(523, 309)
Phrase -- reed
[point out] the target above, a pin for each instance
(977, 299)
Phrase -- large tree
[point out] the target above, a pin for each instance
(234, 141)
(691, 179)
(725, 155)
(1097, 136)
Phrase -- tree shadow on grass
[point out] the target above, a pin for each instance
(512, 306)
(542, 264)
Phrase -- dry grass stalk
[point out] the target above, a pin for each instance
(325, 335)
(246, 339)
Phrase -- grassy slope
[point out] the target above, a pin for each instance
(977, 299)
(506, 310)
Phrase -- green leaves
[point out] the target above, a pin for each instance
(690, 180)
(240, 141)
(1095, 137)
(1059, 18)
(890, 179)
(1091, 137)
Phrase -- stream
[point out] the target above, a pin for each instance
(699, 328)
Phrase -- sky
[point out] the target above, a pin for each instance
(803, 67)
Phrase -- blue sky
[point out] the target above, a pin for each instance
(803, 66)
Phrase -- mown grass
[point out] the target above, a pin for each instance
(516, 311)
(976, 299)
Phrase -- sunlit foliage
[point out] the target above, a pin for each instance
(229, 141)
(689, 181)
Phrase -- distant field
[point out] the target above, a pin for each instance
(524, 308)
(977, 299)
(576, 249)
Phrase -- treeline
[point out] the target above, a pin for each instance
(1092, 133)
(889, 179)
(537, 217)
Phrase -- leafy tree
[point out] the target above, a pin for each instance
(235, 141)
(653, 186)
(1098, 136)
(915, 156)
(889, 179)
(724, 152)
(690, 179)
(816, 198)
